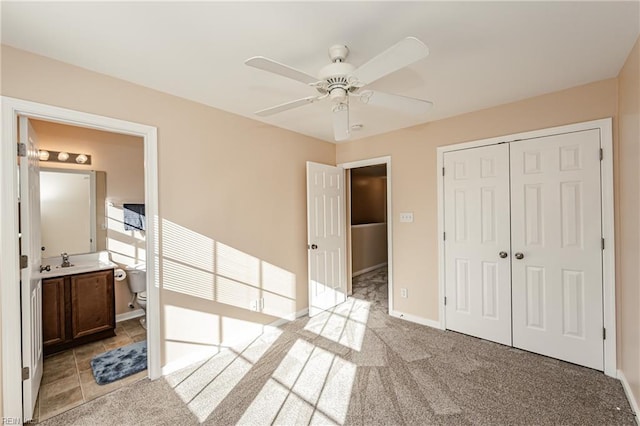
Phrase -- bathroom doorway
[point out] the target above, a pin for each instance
(10, 295)
(82, 214)
(369, 232)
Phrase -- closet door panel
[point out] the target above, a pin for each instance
(556, 227)
(477, 279)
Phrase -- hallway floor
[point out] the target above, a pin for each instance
(373, 287)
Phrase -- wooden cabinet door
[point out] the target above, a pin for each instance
(53, 312)
(92, 304)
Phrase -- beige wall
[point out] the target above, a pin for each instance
(628, 217)
(121, 157)
(368, 246)
(222, 179)
(413, 159)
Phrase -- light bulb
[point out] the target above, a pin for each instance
(81, 159)
(43, 155)
(63, 156)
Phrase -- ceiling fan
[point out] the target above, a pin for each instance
(340, 80)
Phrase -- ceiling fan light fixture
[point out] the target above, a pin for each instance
(338, 95)
(339, 79)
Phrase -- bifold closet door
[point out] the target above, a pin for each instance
(556, 244)
(477, 255)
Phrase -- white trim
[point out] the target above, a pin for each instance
(417, 319)
(372, 162)
(130, 315)
(210, 351)
(369, 269)
(608, 255)
(288, 318)
(630, 396)
(9, 273)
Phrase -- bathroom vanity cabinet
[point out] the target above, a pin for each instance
(77, 309)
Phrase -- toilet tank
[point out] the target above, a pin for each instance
(137, 278)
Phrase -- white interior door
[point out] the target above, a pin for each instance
(556, 236)
(477, 243)
(31, 284)
(326, 237)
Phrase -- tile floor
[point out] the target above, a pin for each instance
(67, 379)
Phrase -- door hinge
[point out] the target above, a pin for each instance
(25, 373)
(602, 243)
(22, 150)
(24, 261)
(444, 236)
(604, 333)
(601, 154)
(445, 301)
(443, 171)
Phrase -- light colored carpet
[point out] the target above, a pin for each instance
(356, 365)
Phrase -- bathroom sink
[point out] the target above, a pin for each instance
(80, 263)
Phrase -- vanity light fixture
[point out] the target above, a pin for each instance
(64, 157)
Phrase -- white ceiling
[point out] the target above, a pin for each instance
(482, 53)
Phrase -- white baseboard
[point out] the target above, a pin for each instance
(369, 269)
(416, 319)
(291, 317)
(212, 350)
(190, 359)
(129, 315)
(630, 396)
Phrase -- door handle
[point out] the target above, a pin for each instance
(519, 256)
(313, 246)
(503, 254)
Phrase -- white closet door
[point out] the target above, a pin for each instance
(556, 228)
(477, 269)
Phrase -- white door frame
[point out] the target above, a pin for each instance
(608, 254)
(373, 162)
(9, 251)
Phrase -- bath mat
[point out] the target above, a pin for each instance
(118, 363)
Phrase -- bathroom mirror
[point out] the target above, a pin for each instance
(72, 204)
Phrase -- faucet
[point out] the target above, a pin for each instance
(65, 260)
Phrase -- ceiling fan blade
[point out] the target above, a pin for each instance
(397, 102)
(341, 122)
(398, 56)
(270, 65)
(286, 106)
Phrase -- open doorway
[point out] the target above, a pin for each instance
(89, 316)
(369, 261)
(369, 232)
(22, 330)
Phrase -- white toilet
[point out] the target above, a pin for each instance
(138, 285)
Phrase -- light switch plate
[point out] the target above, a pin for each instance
(406, 217)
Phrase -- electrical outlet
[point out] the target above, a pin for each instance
(404, 293)
(406, 217)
